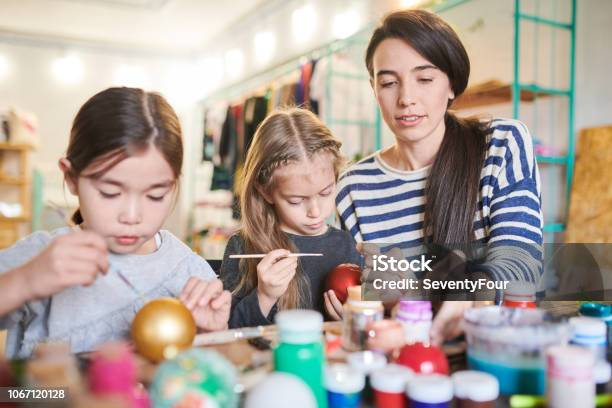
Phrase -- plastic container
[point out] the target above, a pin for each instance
(520, 294)
(343, 386)
(300, 349)
(570, 377)
(603, 312)
(602, 373)
(510, 343)
(357, 316)
(589, 333)
(366, 362)
(389, 385)
(430, 391)
(475, 389)
(415, 316)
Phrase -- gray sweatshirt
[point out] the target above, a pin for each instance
(88, 316)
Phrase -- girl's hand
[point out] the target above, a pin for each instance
(209, 304)
(274, 273)
(72, 259)
(333, 306)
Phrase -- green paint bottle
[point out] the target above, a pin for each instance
(300, 349)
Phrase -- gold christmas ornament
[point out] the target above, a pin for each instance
(162, 328)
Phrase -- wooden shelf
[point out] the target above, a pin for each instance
(12, 146)
(11, 180)
(21, 218)
(491, 93)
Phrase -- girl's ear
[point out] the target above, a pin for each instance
(65, 167)
(265, 195)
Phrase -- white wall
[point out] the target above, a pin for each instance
(484, 25)
(31, 85)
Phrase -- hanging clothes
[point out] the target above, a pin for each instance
(255, 111)
(346, 103)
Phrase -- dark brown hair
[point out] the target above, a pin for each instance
(453, 184)
(118, 123)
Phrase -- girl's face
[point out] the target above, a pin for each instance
(129, 203)
(412, 93)
(304, 194)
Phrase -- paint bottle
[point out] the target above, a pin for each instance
(475, 389)
(601, 375)
(366, 362)
(389, 385)
(112, 372)
(569, 377)
(357, 315)
(430, 391)
(415, 316)
(590, 333)
(520, 294)
(603, 312)
(300, 349)
(344, 386)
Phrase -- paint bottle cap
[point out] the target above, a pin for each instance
(520, 291)
(366, 361)
(430, 389)
(299, 326)
(588, 330)
(597, 310)
(475, 385)
(602, 372)
(414, 310)
(393, 378)
(569, 360)
(340, 378)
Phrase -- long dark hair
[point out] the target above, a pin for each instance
(453, 184)
(118, 123)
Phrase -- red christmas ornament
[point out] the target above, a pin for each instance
(341, 277)
(423, 358)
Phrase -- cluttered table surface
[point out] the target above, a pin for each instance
(248, 358)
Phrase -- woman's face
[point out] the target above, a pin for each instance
(412, 93)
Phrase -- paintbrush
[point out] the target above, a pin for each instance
(240, 256)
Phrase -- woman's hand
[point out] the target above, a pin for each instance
(274, 273)
(209, 304)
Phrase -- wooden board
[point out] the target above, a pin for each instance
(590, 212)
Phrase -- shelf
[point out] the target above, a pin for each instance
(495, 92)
(551, 159)
(12, 146)
(21, 218)
(14, 181)
(554, 227)
(546, 21)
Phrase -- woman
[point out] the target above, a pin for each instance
(445, 180)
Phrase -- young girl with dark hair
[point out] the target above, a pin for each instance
(123, 162)
(446, 180)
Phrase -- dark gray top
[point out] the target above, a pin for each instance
(336, 246)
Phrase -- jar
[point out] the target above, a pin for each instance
(389, 385)
(570, 377)
(430, 391)
(589, 333)
(300, 349)
(415, 316)
(343, 386)
(475, 389)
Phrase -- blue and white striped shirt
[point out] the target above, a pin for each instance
(379, 204)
